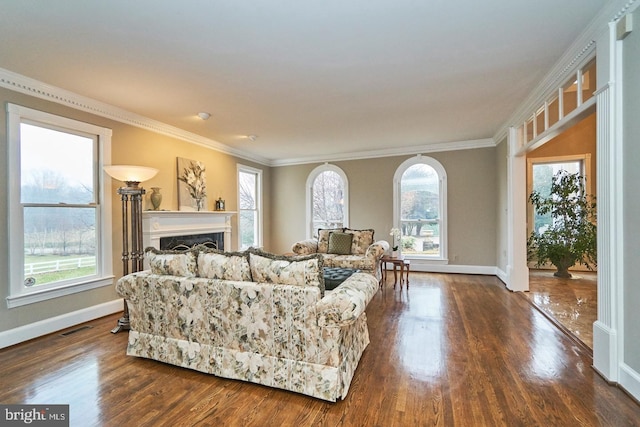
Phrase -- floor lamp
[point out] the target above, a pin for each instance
(131, 196)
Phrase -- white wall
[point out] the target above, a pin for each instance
(631, 210)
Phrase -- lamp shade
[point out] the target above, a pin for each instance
(128, 173)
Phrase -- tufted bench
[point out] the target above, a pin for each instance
(333, 276)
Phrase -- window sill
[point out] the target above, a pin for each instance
(47, 294)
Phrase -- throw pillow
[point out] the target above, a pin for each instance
(170, 262)
(216, 264)
(340, 243)
(286, 270)
(323, 238)
(362, 239)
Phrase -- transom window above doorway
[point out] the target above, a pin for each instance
(565, 100)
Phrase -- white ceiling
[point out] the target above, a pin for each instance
(311, 78)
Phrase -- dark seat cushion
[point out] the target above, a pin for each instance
(333, 276)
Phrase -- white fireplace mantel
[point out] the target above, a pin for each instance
(157, 224)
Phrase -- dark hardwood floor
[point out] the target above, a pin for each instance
(453, 350)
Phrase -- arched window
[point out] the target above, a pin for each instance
(327, 199)
(420, 208)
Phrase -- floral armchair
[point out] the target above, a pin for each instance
(363, 253)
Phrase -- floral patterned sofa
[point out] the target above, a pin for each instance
(364, 253)
(251, 316)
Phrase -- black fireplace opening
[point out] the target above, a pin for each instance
(212, 240)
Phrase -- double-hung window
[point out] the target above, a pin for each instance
(59, 217)
(250, 207)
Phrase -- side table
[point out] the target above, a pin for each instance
(399, 261)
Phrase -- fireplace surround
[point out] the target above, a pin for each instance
(160, 227)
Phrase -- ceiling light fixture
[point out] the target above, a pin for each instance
(204, 115)
(252, 138)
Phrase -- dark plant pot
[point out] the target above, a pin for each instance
(562, 270)
(563, 274)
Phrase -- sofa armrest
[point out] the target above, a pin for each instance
(126, 286)
(347, 302)
(305, 247)
(377, 249)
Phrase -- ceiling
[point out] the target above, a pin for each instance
(312, 79)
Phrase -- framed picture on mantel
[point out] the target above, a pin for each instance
(192, 185)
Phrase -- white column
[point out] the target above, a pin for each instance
(517, 269)
(608, 330)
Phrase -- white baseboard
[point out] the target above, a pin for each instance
(501, 275)
(416, 265)
(47, 326)
(630, 380)
(605, 351)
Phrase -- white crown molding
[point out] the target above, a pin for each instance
(629, 7)
(391, 152)
(26, 85)
(580, 51)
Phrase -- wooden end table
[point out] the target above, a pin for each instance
(398, 261)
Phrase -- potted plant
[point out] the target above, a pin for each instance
(572, 235)
(395, 233)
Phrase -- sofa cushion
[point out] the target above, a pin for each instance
(170, 262)
(340, 243)
(323, 238)
(362, 239)
(305, 247)
(215, 264)
(286, 270)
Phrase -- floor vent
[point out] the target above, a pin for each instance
(73, 331)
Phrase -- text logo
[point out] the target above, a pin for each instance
(34, 415)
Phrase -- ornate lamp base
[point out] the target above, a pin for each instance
(123, 322)
(123, 325)
(134, 194)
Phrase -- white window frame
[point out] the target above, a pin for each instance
(258, 172)
(326, 167)
(19, 294)
(585, 166)
(397, 209)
